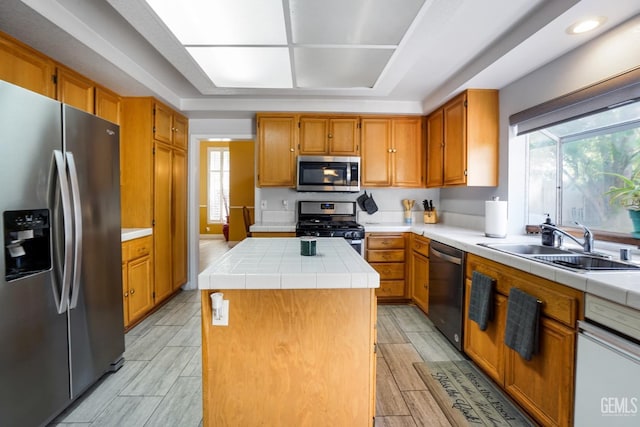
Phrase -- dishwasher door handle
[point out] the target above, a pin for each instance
(610, 340)
(447, 257)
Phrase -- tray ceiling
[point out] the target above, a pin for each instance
(337, 55)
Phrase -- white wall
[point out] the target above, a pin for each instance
(612, 53)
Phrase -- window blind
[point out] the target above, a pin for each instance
(612, 92)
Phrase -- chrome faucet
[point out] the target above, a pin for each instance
(587, 242)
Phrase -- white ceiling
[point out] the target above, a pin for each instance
(449, 46)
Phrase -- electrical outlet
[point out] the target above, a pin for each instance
(285, 205)
(224, 318)
(263, 204)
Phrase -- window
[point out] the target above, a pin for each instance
(218, 185)
(568, 165)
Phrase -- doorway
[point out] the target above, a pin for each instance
(227, 184)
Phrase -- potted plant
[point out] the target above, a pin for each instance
(627, 195)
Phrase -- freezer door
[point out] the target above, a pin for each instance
(34, 373)
(96, 321)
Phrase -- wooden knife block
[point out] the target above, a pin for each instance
(430, 217)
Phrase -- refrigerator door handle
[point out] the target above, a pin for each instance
(62, 298)
(77, 220)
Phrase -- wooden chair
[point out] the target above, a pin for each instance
(246, 214)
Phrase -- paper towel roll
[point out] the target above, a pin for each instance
(495, 218)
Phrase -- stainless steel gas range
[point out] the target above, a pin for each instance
(330, 219)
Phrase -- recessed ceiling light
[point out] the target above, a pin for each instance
(586, 24)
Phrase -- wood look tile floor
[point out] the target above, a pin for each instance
(160, 383)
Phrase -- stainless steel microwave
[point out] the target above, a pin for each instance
(328, 173)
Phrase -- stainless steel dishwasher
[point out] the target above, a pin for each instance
(446, 290)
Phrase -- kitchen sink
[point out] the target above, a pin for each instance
(526, 249)
(572, 260)
(586, 262)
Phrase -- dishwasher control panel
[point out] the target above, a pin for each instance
(618, 317)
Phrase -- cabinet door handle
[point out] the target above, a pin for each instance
(132, 291)
(291, 149)
(126, 294)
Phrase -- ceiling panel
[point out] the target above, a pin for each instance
(372, 22)
(223, 22)
(266, 67)
(339, 67)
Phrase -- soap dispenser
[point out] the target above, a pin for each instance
(548, 238)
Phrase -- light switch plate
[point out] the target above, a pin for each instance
(224, 321)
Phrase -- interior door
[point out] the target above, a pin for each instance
(241, 185)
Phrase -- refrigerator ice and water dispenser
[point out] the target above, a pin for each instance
(27, 247)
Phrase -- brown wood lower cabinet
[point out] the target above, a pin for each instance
(420, 271)
(295, 357)
(486, 347)
(386, 253)
(543, 386)
(137, 279)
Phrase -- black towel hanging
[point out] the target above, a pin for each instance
(523, 323)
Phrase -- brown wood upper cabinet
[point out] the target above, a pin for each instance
(107, 105)
(334, 136)
(277, 141)
(75, 90)
(462, 141)
(393, 152)
(169, 127)
(26, 67)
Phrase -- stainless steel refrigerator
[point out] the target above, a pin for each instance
(61, 320)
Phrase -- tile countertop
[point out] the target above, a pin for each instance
(276, 263)
(622, 287)
(135, 233)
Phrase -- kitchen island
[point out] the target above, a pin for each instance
(299, 345)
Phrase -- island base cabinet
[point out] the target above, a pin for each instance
(298, 357)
